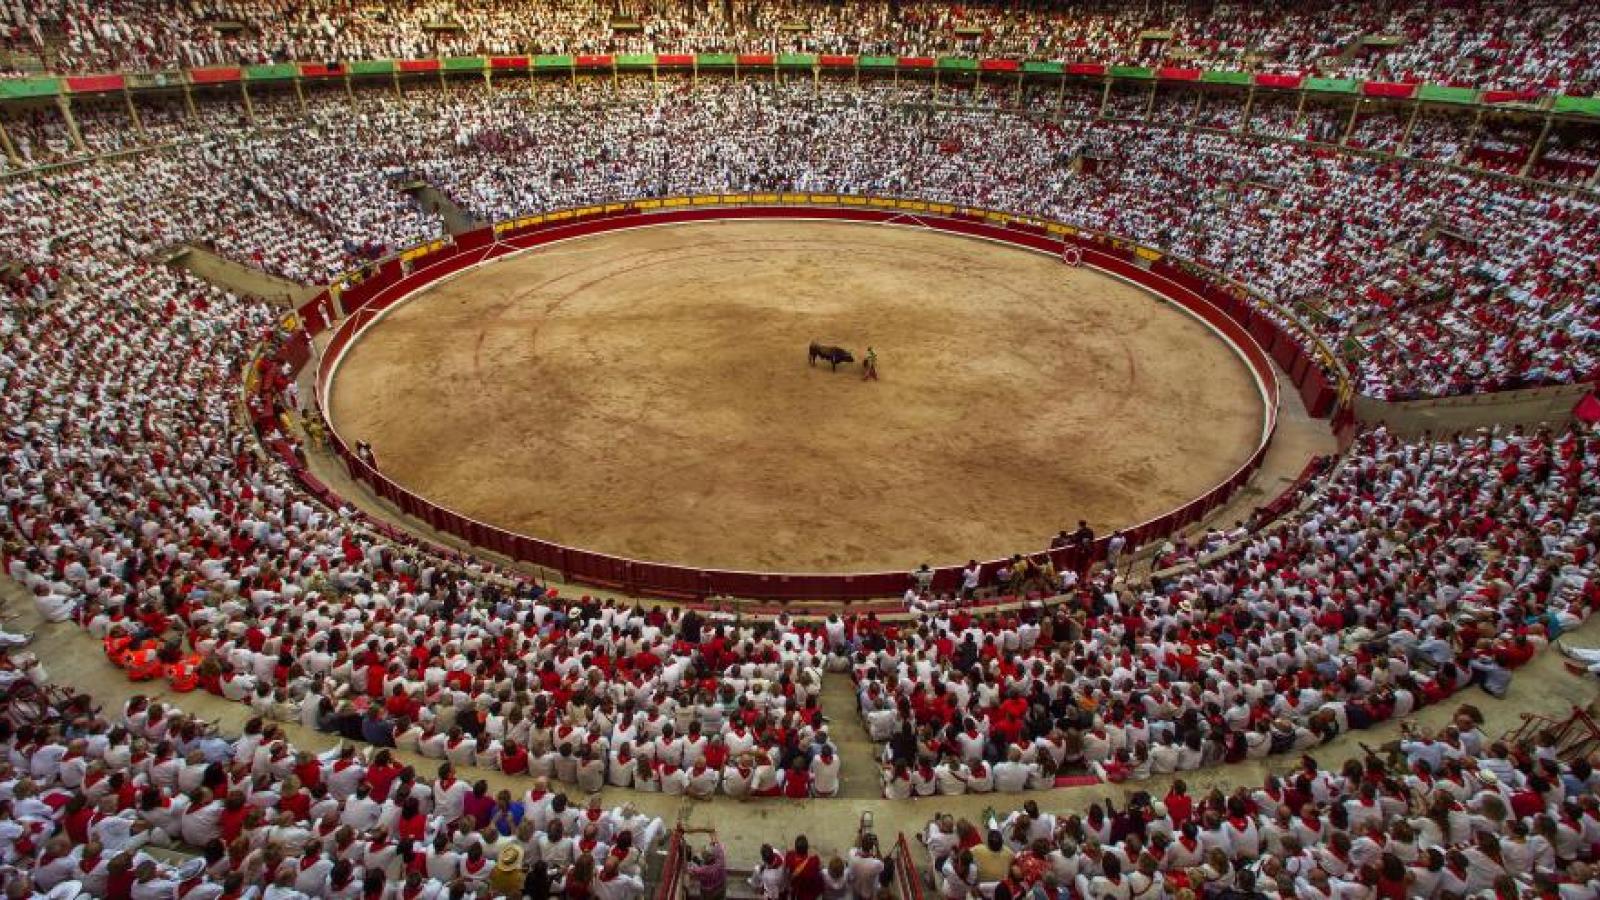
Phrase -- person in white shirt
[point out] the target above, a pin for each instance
(122, 831)
(980, 778)
(972, 742)
(669, 748)
(151, 883)
(770, 878)
(1110, 884)
(1013, 775)
(591, 775)
(674, 781)
(736, 780)
(614, 884)
(1164, 757)
(941, 838)
(202, 823)
(866, 868)
(896, 782)
(460, 750)
(239, 687)
(344, 773)
(56, 863)
(950, 776)
(282, 887)
(442, 861)
(449, 794)
(361, 811)
(834, 631)
(703, 781)
(764, 780)
(431, 744)
(959, 877)
(44, 763)
(825, 772)
(53, 607)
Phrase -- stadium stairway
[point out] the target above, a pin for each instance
(1351, 50)
(431, 199)
(857, 753)
(242, 279)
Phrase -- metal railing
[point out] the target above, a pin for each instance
(1573, 738)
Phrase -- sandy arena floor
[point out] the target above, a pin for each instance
(646, 393)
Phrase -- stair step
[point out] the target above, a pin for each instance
(456, 219)
(857, 752)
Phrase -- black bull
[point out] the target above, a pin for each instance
(834, 355)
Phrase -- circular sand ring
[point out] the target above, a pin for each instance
(646, 577)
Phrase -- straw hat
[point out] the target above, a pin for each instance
(510, 859)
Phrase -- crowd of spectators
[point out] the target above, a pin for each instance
(132, 502)
(305, 203)
(307, 616)
(1423, 568)
(1546, 45)
(1502, 44)
(1251, 210)
(1452, 814)
(296, 613)
(150, 803)
(1568, 158)
(1437, 280)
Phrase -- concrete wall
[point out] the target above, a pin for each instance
(1551, 405)
(456, 219)
(243, 279)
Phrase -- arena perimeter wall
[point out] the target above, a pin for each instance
(1257, 338)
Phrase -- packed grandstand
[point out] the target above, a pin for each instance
(156, 429)
(1483, 43)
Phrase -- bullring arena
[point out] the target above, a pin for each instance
(647, 394)
(425, 474)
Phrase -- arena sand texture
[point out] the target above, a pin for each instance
(646, 393)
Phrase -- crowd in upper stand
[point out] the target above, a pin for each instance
(295, 204)
(1538, 46)
(1435, 280)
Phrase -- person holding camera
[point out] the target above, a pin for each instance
(709, 869)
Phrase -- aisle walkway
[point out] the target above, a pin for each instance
(857, 753)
